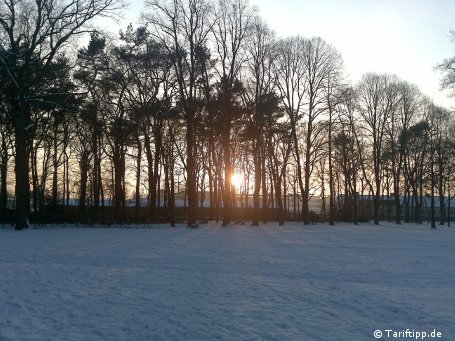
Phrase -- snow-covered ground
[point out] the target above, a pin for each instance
(292, 282)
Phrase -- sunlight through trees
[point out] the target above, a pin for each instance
(202, 112)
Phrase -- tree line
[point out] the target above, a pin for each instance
(199, 91)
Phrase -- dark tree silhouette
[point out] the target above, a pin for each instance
(31, 38)
(182, 27)
(378, 100)
(168, 112)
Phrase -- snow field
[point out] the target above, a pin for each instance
(271, 282)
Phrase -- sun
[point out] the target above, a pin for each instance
(236, 180)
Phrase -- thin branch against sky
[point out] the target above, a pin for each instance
(405, 37)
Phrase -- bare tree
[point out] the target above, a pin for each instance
(261, 100)
(182, 26)
(290, 74)
(378, 100)
(230, 30)
(400, 120)
(440, 121)
(334, 95)
(323, 67)
(305, 69)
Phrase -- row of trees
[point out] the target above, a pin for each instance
(199, 92)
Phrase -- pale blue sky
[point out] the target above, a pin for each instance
(406, 37)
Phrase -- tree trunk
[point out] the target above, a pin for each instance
(155, 174)
(396, 190)
(191, 168)
(298, 161)
(331, 182)
(257, 182)
(3, 188)
(433, 219)
(152, 190)
(441, 190)
(356, 198)
(137, 206)
(171, 202)
(22, 165)
(376, 199)
(397, 208)
(55, 174)
(227, 193)
(306, 194)
(96, 181)
(264, 186)
(279, 200)
(84, 165)
(119, 191)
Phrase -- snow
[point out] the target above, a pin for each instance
(271, 282)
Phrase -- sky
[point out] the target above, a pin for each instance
(405, 37)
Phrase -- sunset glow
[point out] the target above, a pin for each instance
(236, 180)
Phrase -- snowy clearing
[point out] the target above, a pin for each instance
(290, 282)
